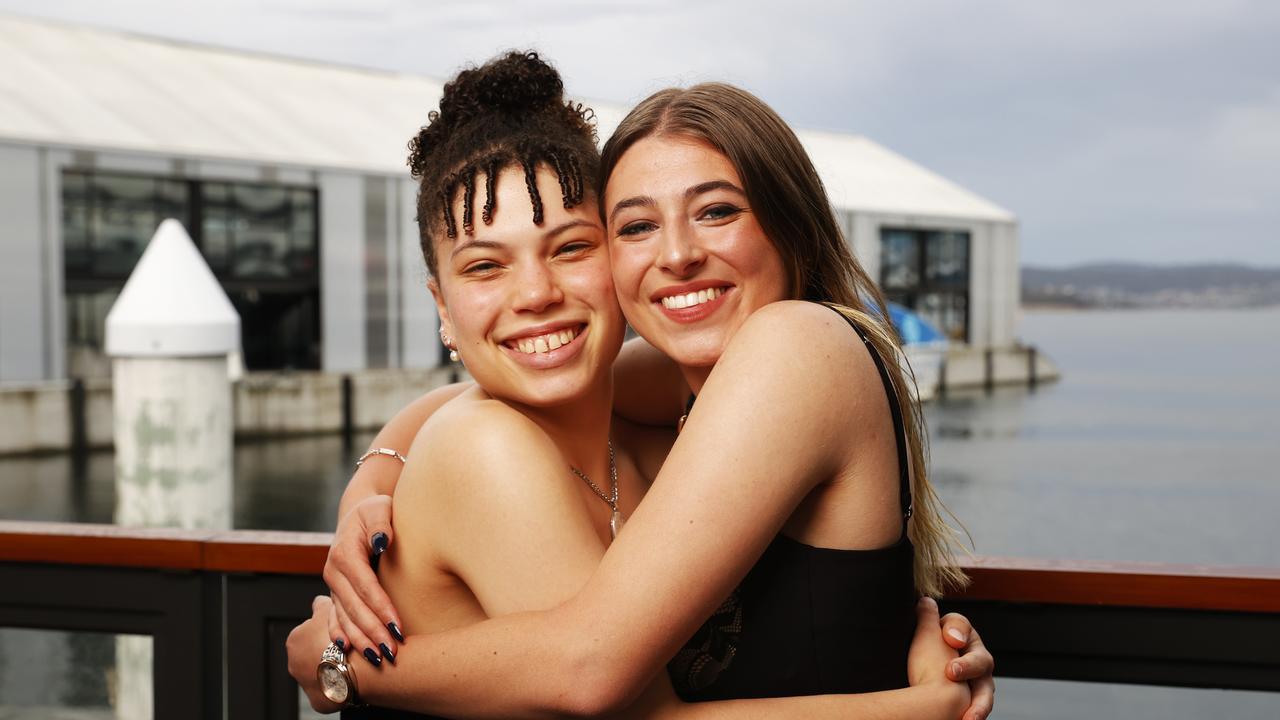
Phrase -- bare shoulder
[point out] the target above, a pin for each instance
(476, 454)
(807, 344)
(473, 436)
(796, 318)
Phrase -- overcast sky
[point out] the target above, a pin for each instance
(1141, 130)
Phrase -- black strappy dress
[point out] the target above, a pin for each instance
(805, 620)
(809, 620)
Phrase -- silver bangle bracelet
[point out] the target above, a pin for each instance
(380, 451)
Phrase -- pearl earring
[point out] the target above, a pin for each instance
(448, 342)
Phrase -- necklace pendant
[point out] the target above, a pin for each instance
(615, 523)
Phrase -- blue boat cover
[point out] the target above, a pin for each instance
(912, 328)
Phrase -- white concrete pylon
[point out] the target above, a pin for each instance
(169, 335)
(172, 305)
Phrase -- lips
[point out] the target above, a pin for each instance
(691, 302)
(544, 342)
(545, 346)
(687, 300)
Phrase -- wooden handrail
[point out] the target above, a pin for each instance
(260, 551)
(995, 579)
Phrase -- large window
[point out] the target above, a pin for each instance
(260, 240)
(928, 271)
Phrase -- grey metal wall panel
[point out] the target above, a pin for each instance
(55, 318)
(419, 343)
(391, 250)
(342, 285)
(22, 311)
(209, 170)
(144, 164)
(375, 271)
(982, 273)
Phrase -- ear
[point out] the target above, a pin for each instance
(446, 324)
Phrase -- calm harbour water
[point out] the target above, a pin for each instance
(1159, 444)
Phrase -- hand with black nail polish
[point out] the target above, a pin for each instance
(379, 545)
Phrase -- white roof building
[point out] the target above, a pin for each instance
(86, 105)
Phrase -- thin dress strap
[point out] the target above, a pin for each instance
(899, 428)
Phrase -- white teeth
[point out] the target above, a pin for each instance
(545, 343)
(675, 302)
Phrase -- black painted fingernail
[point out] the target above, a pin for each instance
(386, 653)
(379, 543)
(395, 632)
(341, 644)
(372, 657)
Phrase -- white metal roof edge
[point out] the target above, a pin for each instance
(185, 155)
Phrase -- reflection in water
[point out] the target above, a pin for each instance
(281, 484)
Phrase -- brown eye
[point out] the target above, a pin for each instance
(573, 248)
(637, 228)
(480, 267)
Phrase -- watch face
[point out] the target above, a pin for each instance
(333, 684)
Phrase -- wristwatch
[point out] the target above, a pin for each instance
(337, 682)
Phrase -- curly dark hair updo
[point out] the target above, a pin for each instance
(509, 111)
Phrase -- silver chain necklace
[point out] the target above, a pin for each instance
(615, 518)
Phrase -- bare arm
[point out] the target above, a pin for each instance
(722, 493)
(364, 513)
(379, 475)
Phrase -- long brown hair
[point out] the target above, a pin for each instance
(791, 204)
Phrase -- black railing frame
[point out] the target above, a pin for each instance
(219, 628)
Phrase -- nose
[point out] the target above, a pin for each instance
(536, 289)
(679, 252)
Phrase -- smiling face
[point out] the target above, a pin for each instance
(530, 307)
(690, 260)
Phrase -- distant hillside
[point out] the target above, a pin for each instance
(1138, 285)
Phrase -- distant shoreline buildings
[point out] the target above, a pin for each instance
(1132, 285)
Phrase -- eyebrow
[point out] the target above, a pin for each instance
(707, 187)
(471, 243)
(553, 232)
(475, 243)
(696, 190)
(637, 201)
